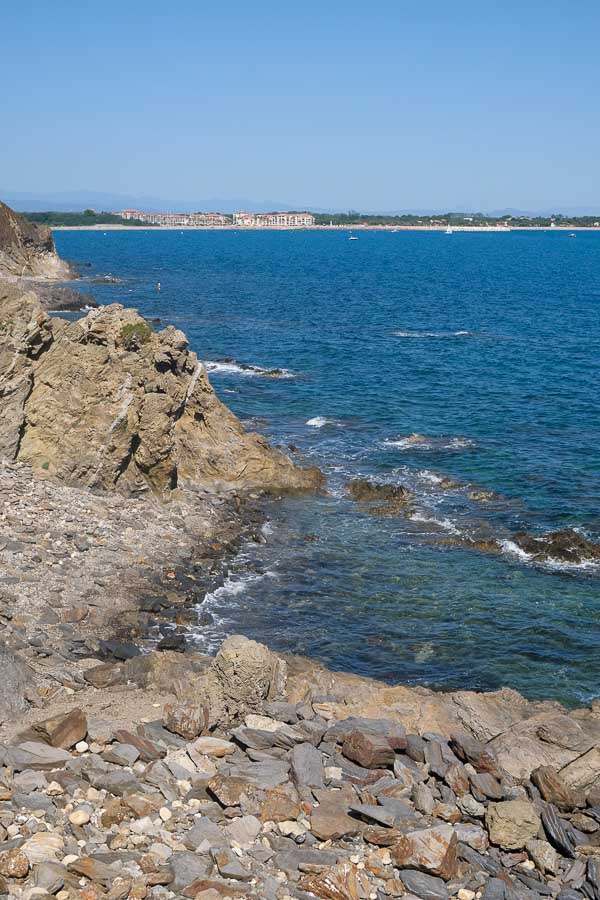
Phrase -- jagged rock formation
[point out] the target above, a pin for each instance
(27, 249)
(105, 402)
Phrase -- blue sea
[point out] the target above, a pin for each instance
(486, 345)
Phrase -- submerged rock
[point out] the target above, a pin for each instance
(392, 498)
(565, 545)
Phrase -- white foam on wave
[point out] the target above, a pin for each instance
(445, 523)
(231, 367)
(431, 477)
(513, 549)
(318, 421)
(215, 603)
(554, 565)
(432, 334)
(426, 444)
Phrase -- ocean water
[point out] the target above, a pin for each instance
(485, 344)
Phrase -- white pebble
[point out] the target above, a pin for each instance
(79, 817)
(165, 813)
(82, 746)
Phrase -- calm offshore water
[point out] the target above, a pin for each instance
(488, 344)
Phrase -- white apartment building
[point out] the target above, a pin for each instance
(274, 220)
(177, 220)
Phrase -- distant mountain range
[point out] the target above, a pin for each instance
(76, 201)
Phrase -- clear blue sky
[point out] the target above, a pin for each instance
(337, 103)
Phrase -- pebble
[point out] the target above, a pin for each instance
(79, 817)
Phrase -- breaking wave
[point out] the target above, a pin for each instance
(423, 443)
(432, 334)
(233, 367)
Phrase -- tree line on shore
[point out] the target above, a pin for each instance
(349, 219)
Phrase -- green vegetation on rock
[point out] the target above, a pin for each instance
(135, 334)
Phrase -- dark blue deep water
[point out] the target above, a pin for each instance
(487, 345)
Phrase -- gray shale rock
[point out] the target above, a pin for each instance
(17, 684)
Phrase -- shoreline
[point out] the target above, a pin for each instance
(362, 228)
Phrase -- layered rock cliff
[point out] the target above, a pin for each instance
(106, 402)
(27, 249)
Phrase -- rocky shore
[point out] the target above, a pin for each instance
(255, 776)
(133, 767)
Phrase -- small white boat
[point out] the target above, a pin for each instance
(572, 235)
(352, 237)
(448, 230)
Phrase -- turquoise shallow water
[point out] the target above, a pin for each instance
(487, 344)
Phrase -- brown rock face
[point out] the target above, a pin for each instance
(554, 790)
(432, 850)
(107, 403)
(63, 730)
(27, 248)
(372, 751)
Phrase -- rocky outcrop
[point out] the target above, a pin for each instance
(108, 403)
(565, 546)
(27, 249)
(379, 499)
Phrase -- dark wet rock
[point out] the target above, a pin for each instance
(427, 887)
(59, 298)
(176, 642)
(121, 651)
(391, 499)
(565, 546)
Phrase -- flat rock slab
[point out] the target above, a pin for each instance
(424, 886)
(33, 755)
(307, 766)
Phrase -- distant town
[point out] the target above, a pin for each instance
(214, 220)
(456, 221)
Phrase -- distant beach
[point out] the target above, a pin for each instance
(389, 228)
